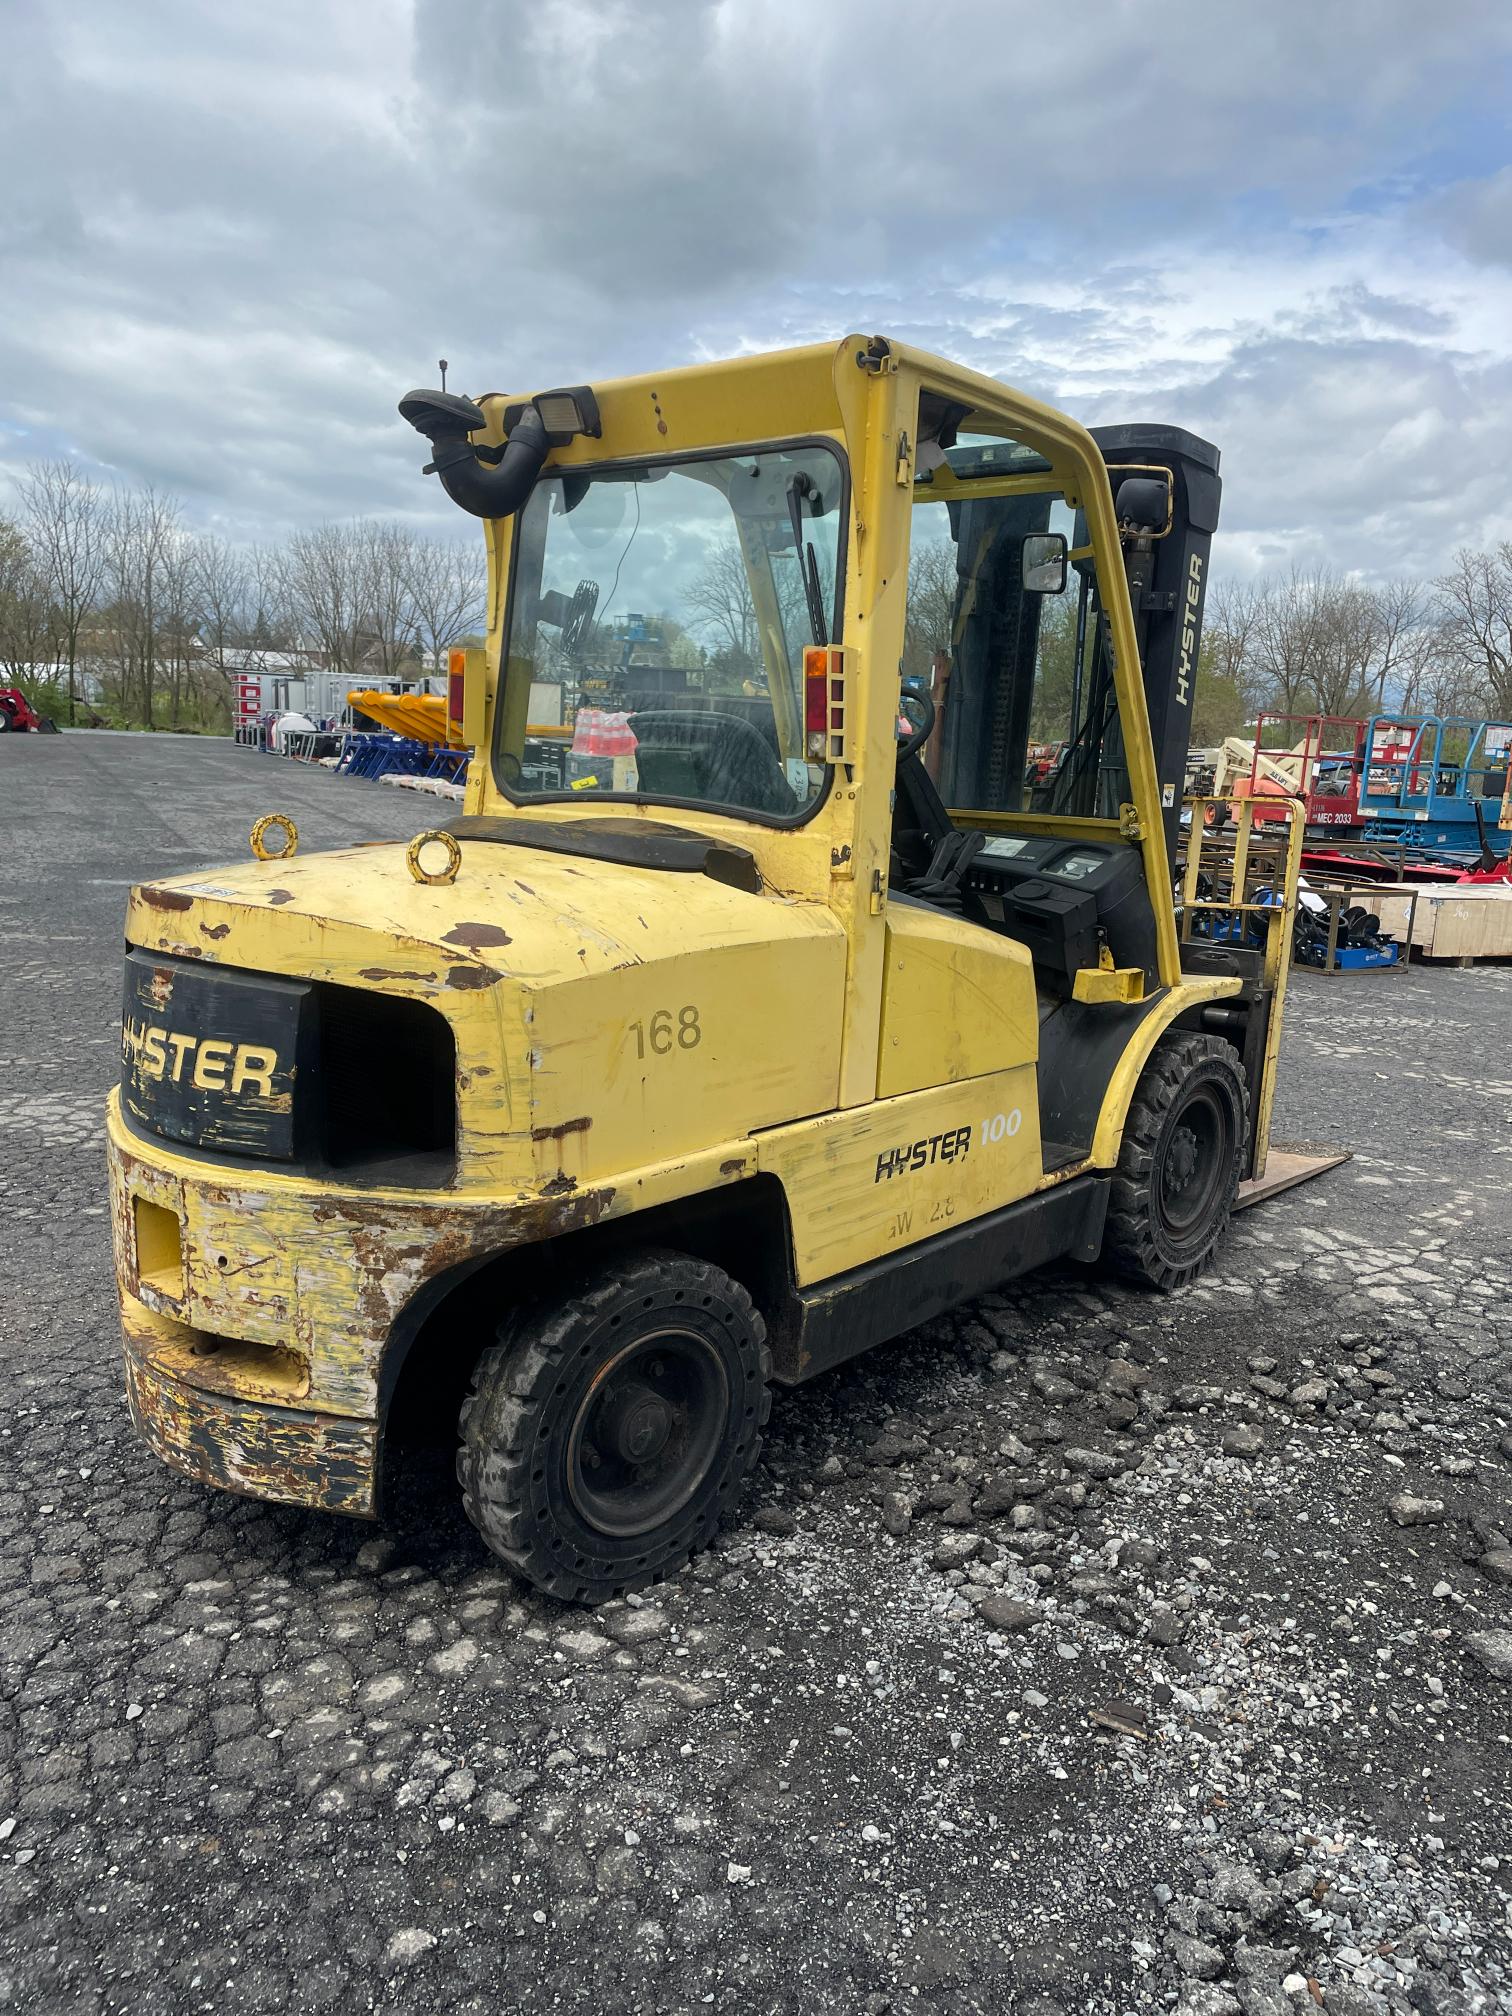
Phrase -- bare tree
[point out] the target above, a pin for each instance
(1229, 632)
(65, 521)
(322, 585)
(270, 618)
(178, 634)
(389, 613)
(143, 537)
(1319, 644)
(223, 582)
(26, 609)
(1437, 680)
(719, 597)
(933, 585)
(1288, 640)
(223, 587)
(446, 585)
(1475, 605)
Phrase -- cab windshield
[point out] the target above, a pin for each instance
(658, 619)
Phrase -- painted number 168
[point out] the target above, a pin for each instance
(664, 1030)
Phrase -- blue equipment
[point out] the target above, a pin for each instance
(1424, 778)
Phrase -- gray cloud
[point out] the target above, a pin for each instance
(236, 235)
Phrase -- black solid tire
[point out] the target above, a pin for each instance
(530, 1390)
(1191, 1099)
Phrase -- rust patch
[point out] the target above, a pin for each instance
(284, 1453)
(578, 1126)
(391, 973)
(280, 895)
(472, 977)
(474, 936)
(214, 930)
(732, 1168)
(436, 1238)
(165, 899)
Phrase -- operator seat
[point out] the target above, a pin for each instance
(920, 822)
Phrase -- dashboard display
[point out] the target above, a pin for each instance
(1004, 849)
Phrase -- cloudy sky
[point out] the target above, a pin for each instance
(232, 236)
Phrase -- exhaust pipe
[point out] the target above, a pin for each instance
(488, 482)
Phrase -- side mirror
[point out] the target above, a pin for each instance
(1042, 563)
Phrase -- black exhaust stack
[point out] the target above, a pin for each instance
(488, 482)
(1166, 491)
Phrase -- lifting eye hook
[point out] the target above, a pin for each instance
(434, 838)
(285, 826)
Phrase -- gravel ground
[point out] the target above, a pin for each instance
(1085, 1651)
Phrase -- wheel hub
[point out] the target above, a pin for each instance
(646, 1432)
(637, 1422)
(1181, 1161)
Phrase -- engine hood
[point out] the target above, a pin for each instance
(513, 913)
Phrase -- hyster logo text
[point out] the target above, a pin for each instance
(1190, 617)
(949, 1147)
(216, 1067)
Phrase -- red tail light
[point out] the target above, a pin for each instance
(456, 686)
(816, 670)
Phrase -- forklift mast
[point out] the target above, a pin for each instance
(1166, 491)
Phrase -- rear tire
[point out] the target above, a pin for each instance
(1178, 1167)
(609, 1432)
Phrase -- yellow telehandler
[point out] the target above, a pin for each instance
(765, 998)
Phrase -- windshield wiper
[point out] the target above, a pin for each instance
(803, 485)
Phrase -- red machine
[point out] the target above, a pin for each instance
(1304, 769)
(1326, 778)
(19, 717)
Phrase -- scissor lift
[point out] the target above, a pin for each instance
(1425, 778)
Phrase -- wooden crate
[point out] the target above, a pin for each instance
(1473, 921)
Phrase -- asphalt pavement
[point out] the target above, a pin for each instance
(1085, 1651)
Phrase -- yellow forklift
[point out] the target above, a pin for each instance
(764, 1000)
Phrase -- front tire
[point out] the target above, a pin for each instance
(1178, 1167)
(609, 1431)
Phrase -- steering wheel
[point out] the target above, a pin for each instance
(916, 707)
(743, 772)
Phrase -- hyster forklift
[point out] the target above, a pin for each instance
(758, 1005)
